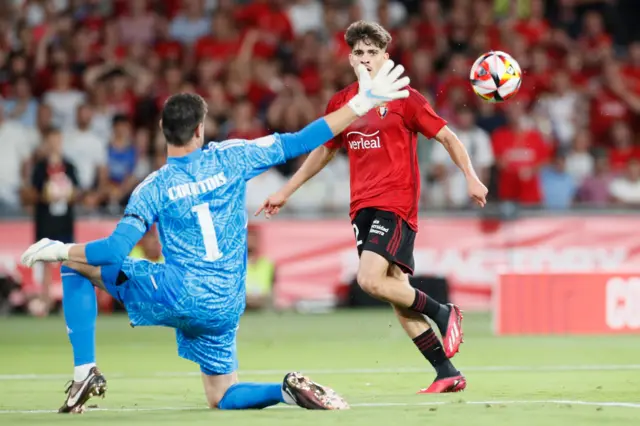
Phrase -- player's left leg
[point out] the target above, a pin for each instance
(216, 354)
(79, 304)
(226, 393)
(80, 311)
(448, 378)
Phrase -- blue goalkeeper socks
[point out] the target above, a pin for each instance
(80, 311)
(243, 396)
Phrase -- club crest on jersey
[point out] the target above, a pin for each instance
(382, 111)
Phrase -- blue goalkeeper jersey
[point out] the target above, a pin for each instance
(198, 202)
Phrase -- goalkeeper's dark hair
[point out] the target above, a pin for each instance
(370, 33)
(181, 116)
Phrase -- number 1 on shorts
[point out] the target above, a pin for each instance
(208, 231)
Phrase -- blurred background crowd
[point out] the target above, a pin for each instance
(82, 83)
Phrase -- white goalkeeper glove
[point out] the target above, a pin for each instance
(45, 250)
(384, 87)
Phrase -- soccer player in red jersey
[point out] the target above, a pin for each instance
(385, 189)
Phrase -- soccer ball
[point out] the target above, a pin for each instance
(495, 76)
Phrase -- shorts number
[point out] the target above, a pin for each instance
(208, 231)
(355, 229)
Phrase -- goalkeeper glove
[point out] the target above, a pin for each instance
(384, 87)
(45, 250)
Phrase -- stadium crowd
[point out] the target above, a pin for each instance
(84, 80)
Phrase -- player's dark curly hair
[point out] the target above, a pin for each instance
(181, 116)
(369, 33)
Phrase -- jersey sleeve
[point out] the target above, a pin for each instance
(144, 204)
(333, 105)
(253, 156)
(420, 117)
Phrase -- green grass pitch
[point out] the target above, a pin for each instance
(364, 355)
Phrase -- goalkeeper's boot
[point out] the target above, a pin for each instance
(78, 393)
(310, 395)
(446, 384)
(452, 336)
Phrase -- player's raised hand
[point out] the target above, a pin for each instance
(272, 205)
(477, 191)
(386, 86)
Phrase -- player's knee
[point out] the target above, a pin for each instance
(213, 402)
(370, 283)
(372, 273)
(214, 396)
(216, 387)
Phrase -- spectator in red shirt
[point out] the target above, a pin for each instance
(423, 76)
(594, 43)
(456, 78)
(608, 102)
(431, 27)
(170, 84)
(270, 17)
(538, 79)
(223, 43)
(631, 69)
(219, 104)
(519, 152)
(623, 149)
(573, 63)
(121, 97)
(166, 47)
(244, 124)
(405, 45)
(458, 29)
(487, 31)
(535, 28)
(291, 109)
(306, 61)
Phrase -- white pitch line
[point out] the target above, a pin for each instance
(614, 404)
(405, 370)
(348, 371)
(507, 402)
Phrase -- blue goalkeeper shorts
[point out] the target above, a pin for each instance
(157, 294)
